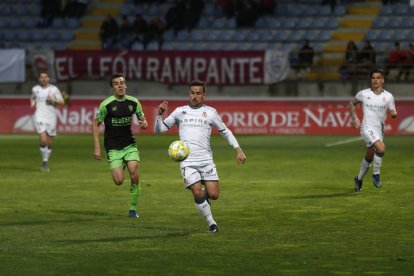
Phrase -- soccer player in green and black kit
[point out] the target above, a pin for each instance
(116, 113)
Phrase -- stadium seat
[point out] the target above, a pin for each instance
(407, 22)
(393, 23)
(385, 35)
(296, 36)
(24, 35)
(281, 35)
(66, 35)
(153, 45)
(15, 23)
(197, 35)
(304, 23)
(218, 23)
(380, 22)
(253, 36)
(319, 23)
(324, 35)
(169, 35)
(312, 35)
(226, 35)
(182, 35)
(204, 23)
(266, 36)
(288, 23)
(73, 23)
(38, 35)
(58, 23)
(340, 10)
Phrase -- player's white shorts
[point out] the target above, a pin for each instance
(370, 136)
(193, 174)
(46, 126)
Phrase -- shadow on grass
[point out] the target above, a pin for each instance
(123, 239)
(352, 193)
(40, 222)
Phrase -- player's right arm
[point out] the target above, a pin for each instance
(95, 133)
(164, 125)
(100, 116)
(355, 121)
(32, 100)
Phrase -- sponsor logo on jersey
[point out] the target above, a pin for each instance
(204, 114)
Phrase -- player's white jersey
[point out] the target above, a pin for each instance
(375, 108)
(194, 128)
(45, 111)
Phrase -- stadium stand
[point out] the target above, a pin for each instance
(284, 28)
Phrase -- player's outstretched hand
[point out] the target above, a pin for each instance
(162, 107)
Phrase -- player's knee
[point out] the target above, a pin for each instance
(118, 182)
(213, 196)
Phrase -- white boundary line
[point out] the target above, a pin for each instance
(343, 142)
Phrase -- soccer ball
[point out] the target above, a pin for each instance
(178, 151)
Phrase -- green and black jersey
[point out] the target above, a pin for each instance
(117, 116)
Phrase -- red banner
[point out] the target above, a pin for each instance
(329, 117)
(172, 67)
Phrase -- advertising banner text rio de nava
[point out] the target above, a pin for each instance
(284, 117)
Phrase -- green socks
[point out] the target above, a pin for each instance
(134, 192)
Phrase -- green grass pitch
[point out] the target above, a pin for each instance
(290, 210)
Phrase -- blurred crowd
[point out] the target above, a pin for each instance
(359, 62)
(61, 8)
(182, 15)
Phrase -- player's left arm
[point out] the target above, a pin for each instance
(142, 121)
(392, 109)
(55, 97)
(228, 135)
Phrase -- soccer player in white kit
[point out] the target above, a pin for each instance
(45, 97)
(195, 122)
(376, 103)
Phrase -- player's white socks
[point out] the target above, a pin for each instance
(377, 162)
(205, 211)
(364, 168)
(45, 151)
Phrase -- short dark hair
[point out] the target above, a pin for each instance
(199, 83)
(376, 71)
(115, 76)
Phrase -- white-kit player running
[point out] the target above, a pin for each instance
(45, 97)
(376, 103)
(195, 122)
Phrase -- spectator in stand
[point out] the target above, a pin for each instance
(77, 8)
(408, 62)
(154, 31)
(126, 33)
(174, 16)
(395, 60)
(367, 59)
(139, 26)
(267, 7)
(331, 3)
(225, 7)
(305, 57)
(349, 68)
(108, 32)
(247, 13)
(49, 9)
